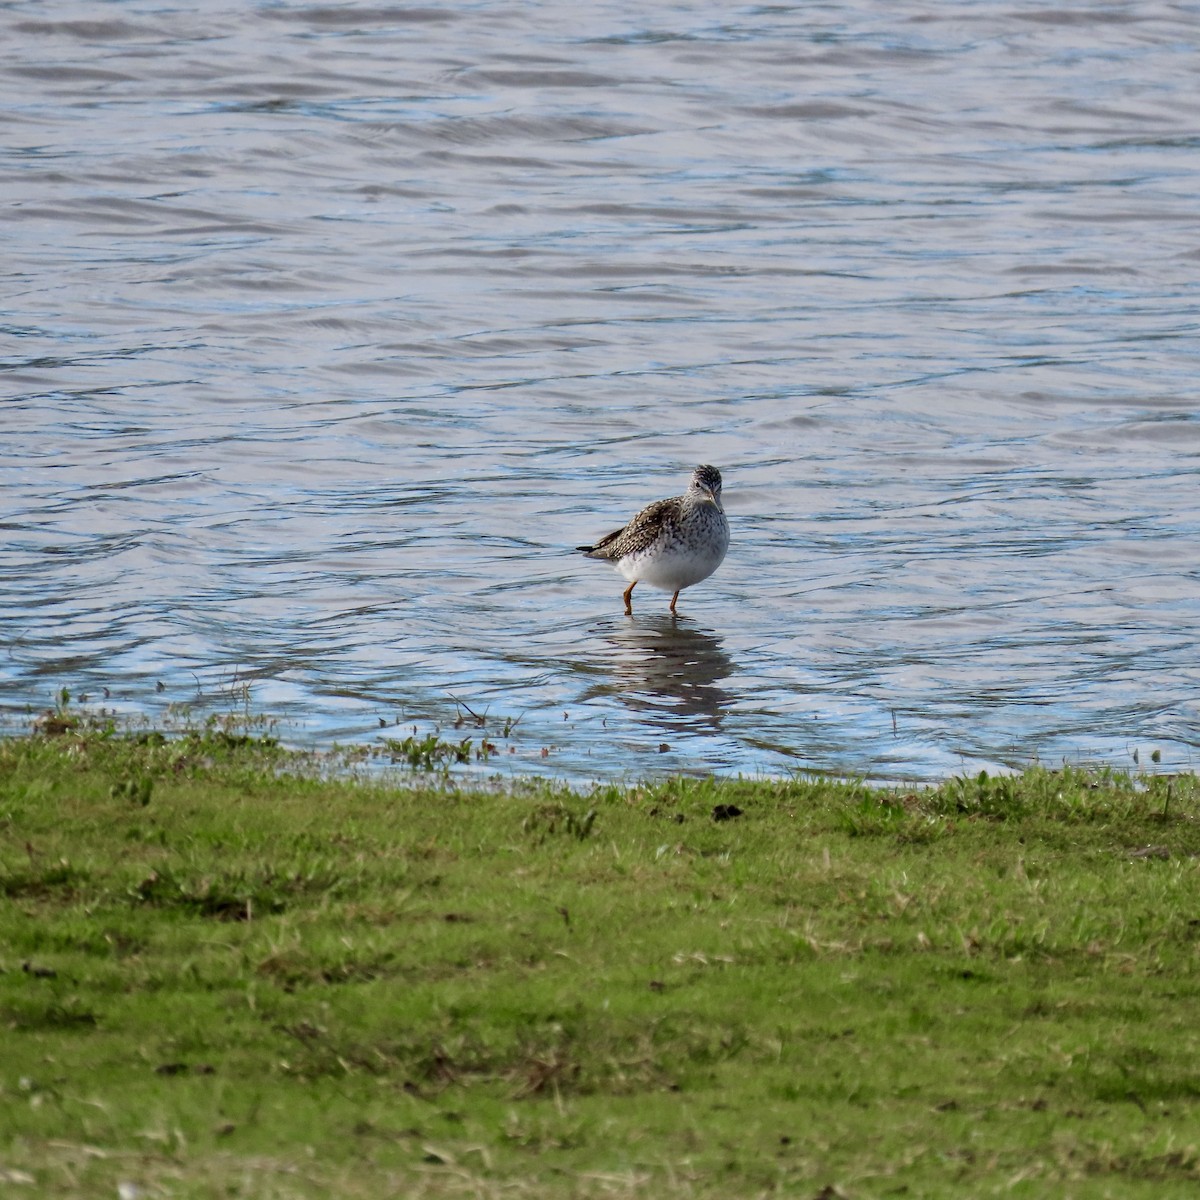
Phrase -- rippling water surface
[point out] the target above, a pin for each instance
(330, 329)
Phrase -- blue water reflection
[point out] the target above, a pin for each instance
(329, 337)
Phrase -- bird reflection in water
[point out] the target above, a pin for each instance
(666, 670)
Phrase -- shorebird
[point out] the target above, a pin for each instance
(673, 543)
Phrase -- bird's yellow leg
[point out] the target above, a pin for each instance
(628, 597)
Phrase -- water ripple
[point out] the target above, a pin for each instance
(331, 335)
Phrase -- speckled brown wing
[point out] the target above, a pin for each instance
(638, 535)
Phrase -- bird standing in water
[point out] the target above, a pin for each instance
(673, 543)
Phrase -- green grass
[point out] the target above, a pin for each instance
(222, 974)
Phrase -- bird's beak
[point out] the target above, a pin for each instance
(711, 495)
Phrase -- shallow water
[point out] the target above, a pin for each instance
(332, 328)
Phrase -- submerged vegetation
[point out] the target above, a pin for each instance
(225, 973)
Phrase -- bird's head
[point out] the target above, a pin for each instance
(707, 481)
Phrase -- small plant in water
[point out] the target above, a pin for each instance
(429, 753)
(480, 720)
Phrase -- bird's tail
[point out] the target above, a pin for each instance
(603, 549)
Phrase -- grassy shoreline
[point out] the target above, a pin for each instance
(223, 974)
